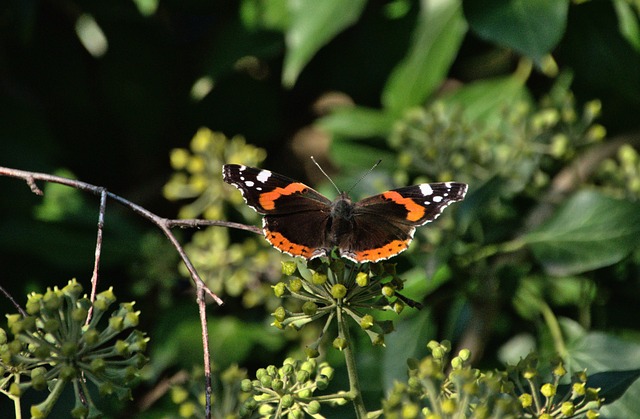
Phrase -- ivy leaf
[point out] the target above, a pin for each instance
(532, 27)
(313, 24)
(437, 38)
(589, 231)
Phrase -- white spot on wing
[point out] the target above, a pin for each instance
(426, 190)
(263, 176)
(437, 199)
(249, 183)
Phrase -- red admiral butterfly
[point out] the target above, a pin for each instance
(300, 221)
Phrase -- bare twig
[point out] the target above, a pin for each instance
(98, 252)
(163, 223)
(15, 304)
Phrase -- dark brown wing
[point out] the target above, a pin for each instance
(295, 214)
(384, 224)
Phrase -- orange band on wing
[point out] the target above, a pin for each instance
(414, 211)
(384, 252)
(283, 244)
(268, 199)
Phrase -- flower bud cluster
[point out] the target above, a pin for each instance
(286, 391)
(440, 386)
(324, 288)
(54, 345)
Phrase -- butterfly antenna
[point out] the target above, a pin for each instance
(325, 174)
(365, 175)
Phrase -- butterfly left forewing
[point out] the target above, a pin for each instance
(295, 215)
(261, 189)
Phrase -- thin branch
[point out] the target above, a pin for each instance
(98, 252)
(15, 304)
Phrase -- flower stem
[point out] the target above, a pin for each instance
(352, 371)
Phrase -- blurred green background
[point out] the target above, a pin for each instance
(104, 91)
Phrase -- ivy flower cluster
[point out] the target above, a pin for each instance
(336, 288)
(53, 345)
(442, 387)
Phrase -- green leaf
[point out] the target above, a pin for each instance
(629, 22)
(532, 27)
(588, 232)
(357, 122)
(484, 101)
(438, 35)
(313, 24)
(617, 361)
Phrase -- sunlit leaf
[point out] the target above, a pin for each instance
(437, 38)
(313, 24)
(588, 232)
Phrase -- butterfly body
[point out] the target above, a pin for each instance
(302, 222)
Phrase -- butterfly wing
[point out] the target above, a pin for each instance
(384, 224)
(295, 215)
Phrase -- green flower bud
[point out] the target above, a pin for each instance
(36, 412)
(308, 365)
(448, 406)
(305, 393)
(398, 307)
(51, 300)
(79, 314)
(79, 412)
(367, 321)
(131, 319)
(309, 308)
(122, 348)
(67, 372)
(578, 389)
(322, 382)
(379, 340)
(279, 289)
(116, 323)
(72, 289)
(288, 268)
(548, 390)
(33, 303)
(69, 349)
(362, 279)
(246, 385)
(287, 401)
(338, 291)
(568, 409)
(526, 400)
(311, 353)
(277, 384)
(592, 414)
(464, 354)
(314, 407)
(302, 376)
(295, 285)
(104, 300)
(530, 373)
(388, 291)
(318, 279)
(280, 314)
(326, 370)
(38, 378)
(339, 343)
(91, 337)
(266, 380)
(98, 365)
(51, 325)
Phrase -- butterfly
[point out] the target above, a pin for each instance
(302, 222)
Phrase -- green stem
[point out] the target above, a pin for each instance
(554, 329)
(352, 371)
